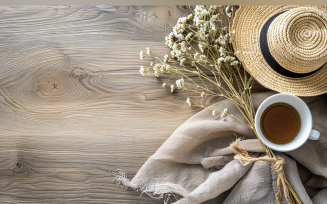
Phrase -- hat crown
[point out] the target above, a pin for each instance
(297, 39)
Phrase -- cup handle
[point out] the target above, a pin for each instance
(314, 135)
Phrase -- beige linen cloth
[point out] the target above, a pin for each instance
(197, 165)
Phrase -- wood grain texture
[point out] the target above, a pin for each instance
(73, 104)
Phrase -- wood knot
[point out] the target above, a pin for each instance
(19, 169)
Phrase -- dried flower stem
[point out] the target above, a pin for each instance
(230, 115)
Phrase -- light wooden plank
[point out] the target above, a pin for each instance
(73, 104)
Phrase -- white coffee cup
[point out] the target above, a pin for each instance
(306, 132)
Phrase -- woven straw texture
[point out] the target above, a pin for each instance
(297, 40)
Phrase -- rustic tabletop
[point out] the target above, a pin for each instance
(73, 104)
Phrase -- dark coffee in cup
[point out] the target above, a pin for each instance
(280, 123)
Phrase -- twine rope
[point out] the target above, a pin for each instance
(277, 163)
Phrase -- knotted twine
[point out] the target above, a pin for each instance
(277, 163)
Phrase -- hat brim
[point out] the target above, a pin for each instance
(247, 24)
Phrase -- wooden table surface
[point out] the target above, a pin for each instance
(73, 104)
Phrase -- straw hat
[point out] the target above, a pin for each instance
(283, 47)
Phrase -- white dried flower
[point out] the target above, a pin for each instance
(151, 64)
(190, 102)
(170, 40)
(166, 58)
(156, 73)
(198, 9)
(162, 68)
(222, 51)
(148, 51)
(173, 53)
(201, 47)
(182, 20)
(202, 33)
(227, 38)
(203, 57)
(175, 46)
(178, 30)
(188, 36)
(183, 46)
(178, 54)
(215, 114)
(229, 58)
(222, 40)
(214, 17)
(203, 94)
(205, 12)
(182, 62)
(196, 55)
(171, 35)
(224, 113)
(168, 68)
(172, 88)
(143, 70)
(189, 17)
(229, 10)
(197, 21)
(234, 63)
(212, 8)
(169, 43)
(220, 59)
(213, 26)
(164, 85)
(167, 40)
(157, 70)
(142, 55)
(180, 84)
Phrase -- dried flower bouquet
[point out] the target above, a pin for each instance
(201, 48)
